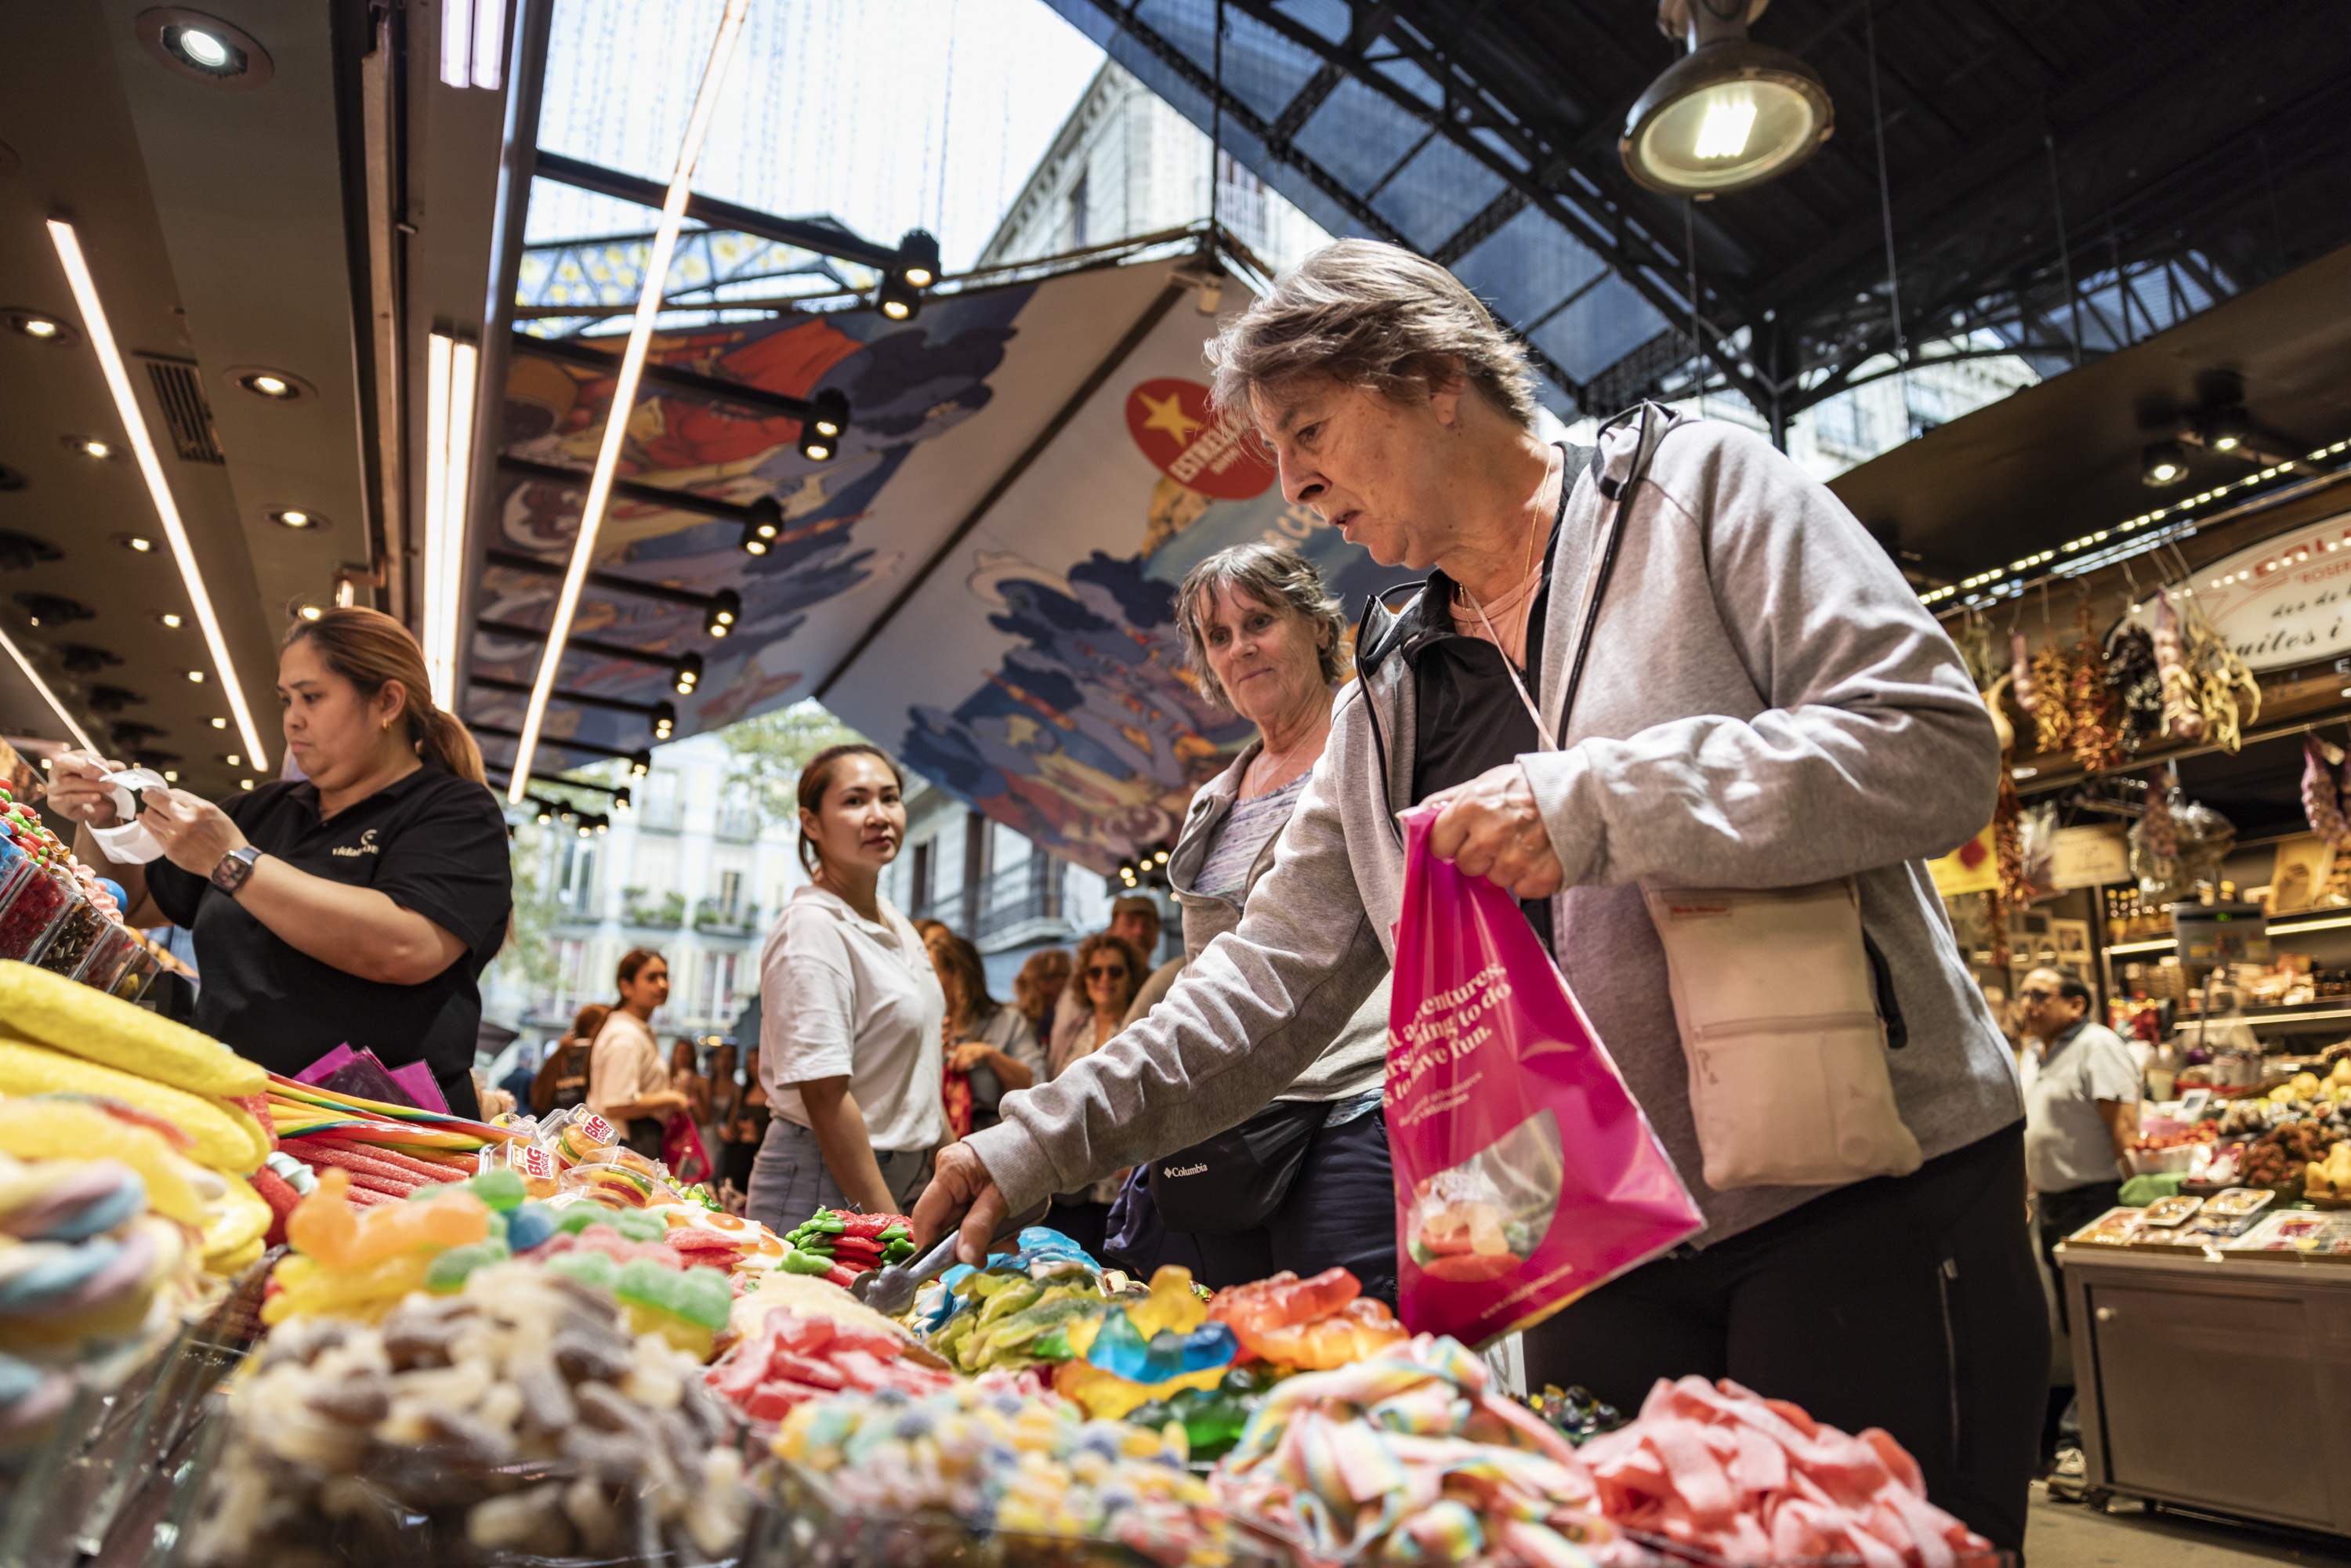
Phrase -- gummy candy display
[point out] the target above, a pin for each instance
(1212, 1418)
(89, 1276)
(1311, 1324)
(514, 1419)
(1410, 1458)
(995, 1459)
(792, 1359)
(1016, 1312)
(1141, 1350)
(840, 1244)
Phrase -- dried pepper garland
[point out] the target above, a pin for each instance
(2090, 706)
(2053, 719)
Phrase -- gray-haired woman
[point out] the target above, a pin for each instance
(1306, 1183)
(1763, 703)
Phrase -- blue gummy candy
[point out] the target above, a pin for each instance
(529, 1226)
(1120, 1350)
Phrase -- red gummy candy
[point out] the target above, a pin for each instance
(612, 1244)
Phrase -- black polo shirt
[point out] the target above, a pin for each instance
(433, 842)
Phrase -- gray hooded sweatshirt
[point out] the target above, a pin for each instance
(1767, 705)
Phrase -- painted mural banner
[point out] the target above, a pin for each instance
(1036, 672)
(2284, 602)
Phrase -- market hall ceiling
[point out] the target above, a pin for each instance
(212, 219)
(2069, 177)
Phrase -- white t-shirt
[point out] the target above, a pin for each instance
(842, 996)
(2066, 1144)
(624, 1065)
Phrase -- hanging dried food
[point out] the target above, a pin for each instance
(2053, 720)
(2226, 694)
(2010, 892)
(2133, 677)
(1999, 724)
(2183, 718)
(2321, 794)
(2155, 847)
(2090, 706)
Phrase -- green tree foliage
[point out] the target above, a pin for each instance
(770, 750)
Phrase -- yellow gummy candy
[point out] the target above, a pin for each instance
(308, 1290)
(234, 1226)
(63, 1130)
(220, 1140)
(1172, 1305)
(86, 1022)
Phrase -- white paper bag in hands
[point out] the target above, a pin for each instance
(129, 843)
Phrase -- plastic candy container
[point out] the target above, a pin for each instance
(36, 904)
(612, 1183)
(515, 1420)
(1407, 1458)
(793, 1359)
(996, 1460)
(574, 1134)
(1310, 1324)
(109, 955)
(1144, 1350)
(77, 932)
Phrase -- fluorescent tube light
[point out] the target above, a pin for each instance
(457, 42)
(490, 33)
(624, 390)
(151, 468)
(82, 736)
(452, 370)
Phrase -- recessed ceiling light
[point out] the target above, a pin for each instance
(220, 724)
(137, 543)
(39, 326)
(193, 43)
(310, 611)
(93, 446)
(297, 517)
(244, 783)
(277, 386)
(171, 775)
(234, 760)
(171, 619)
(195, 678)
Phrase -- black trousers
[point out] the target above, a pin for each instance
(2060, 1214)
(1909, 1303)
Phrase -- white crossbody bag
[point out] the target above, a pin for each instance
(1774, 989)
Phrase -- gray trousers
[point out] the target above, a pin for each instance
(790, 1182)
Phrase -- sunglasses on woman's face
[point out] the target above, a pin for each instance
(1106, 972)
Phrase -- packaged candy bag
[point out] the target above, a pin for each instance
(1525, 1173)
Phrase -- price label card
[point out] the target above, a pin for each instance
(2192, 1104)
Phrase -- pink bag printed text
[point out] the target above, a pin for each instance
(1525, 1173)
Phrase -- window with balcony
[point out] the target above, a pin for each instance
(576, 890)
(661, 810)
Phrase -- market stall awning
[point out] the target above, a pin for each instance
(982, 579)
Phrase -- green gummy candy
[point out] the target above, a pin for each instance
(501, 1189)
(802, 1262)
(593, 1269)
(636, 1225)
(580, 1216)
(698, 1296)
(449, 1272)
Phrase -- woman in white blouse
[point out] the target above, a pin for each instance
(850, 1013)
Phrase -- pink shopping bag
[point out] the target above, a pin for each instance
(1525, 1173)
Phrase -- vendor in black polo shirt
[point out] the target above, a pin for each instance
(358, 905)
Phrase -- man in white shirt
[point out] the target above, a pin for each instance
(2081, 1111)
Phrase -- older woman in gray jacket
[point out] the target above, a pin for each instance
(1305, 1184)
(1765, 705)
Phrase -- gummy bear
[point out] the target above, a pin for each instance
(1173, 1304)
(1120, 1349)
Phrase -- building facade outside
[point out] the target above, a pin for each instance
(693, 870)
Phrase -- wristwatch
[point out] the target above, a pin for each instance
(233, 868)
